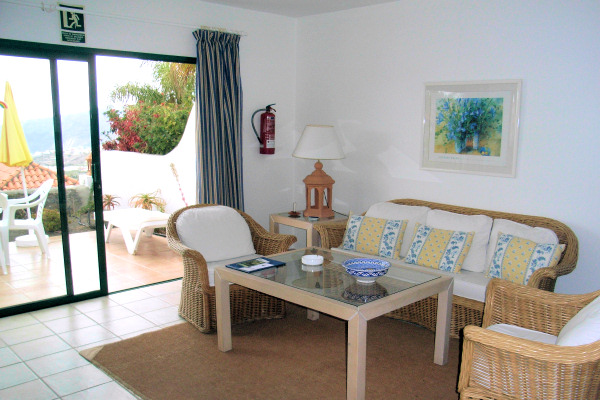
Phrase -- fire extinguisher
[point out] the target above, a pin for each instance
(267, 129)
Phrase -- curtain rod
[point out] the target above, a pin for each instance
(50, 8)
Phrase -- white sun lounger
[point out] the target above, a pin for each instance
(134, 219)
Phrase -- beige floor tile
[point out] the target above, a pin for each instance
(110, 390)
(25, 334)
(33, 390)
(55, 363)
(40, 347)
(14, 375)
(75, 380)
(87, 335)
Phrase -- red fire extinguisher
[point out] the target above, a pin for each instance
(267, 129)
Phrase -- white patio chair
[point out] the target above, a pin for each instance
(36, 200)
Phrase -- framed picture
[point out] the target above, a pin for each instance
(471, 127)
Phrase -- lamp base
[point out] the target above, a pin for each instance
(321, 213)
(319, 188)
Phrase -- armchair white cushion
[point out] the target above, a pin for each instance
(523, 333)
(583, 328)
(219, 233)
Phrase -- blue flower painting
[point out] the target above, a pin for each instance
(470, 126)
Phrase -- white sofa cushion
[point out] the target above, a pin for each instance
(523, 333)
(218, 232)
(471, 285)
(583, 328)
(481, 225)
(412, 214)
(535, 234)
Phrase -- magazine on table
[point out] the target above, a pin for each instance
(255, 264)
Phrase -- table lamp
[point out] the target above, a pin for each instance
(319, 142)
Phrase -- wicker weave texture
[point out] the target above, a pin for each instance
(197, 304)
(466, 311)
(500, 366)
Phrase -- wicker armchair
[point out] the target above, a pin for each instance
(499, 366)
(467, 311)
(198, 296)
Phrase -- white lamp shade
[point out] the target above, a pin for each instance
(319, 142)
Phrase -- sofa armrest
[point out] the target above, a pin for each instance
(531, 308)
(331, 233)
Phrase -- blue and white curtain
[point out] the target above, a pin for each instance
(219, 118)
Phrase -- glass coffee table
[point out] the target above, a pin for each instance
(329, 289)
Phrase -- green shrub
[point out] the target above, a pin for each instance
(51, 220)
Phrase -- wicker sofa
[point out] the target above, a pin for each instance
(465, 309)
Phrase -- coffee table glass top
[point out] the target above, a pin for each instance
(332, 281)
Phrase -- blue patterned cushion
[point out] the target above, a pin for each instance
(442, 249)
(376, 236)
(516, 259)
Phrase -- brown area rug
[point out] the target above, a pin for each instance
(291, 358)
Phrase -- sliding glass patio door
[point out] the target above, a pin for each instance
(72, 101)
(54, 97)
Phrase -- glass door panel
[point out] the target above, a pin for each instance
(73, 87)
(31, 275)
(42, 88)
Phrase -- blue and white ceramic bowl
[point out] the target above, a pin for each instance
(366, 270)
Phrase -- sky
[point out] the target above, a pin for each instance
(29, 79)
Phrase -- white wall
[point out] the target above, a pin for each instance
(126, 174)
(268, 67)
(364, 71)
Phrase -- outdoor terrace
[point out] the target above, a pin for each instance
(31, 276)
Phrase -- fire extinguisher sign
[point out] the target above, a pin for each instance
(72, 26)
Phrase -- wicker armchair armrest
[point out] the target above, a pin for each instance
(194, 264)
(530, 308)
(331, 233)
(517, 368)
(265, 242)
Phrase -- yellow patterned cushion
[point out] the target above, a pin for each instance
(442, 249)
(516, 259)
(376, 236)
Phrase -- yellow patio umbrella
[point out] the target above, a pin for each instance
(14, 151)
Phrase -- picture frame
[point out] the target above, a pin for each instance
(471, 127)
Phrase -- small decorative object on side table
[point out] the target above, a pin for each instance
(294, 213)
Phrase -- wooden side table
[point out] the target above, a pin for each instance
(312, 236)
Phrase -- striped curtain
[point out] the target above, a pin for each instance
(219, 118)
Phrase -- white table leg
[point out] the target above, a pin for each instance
(223, 313)
(442, 327)
(129, 243)
(108, 231)
(357, 357)
(312, 314)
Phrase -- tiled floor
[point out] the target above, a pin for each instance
(39, 351)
